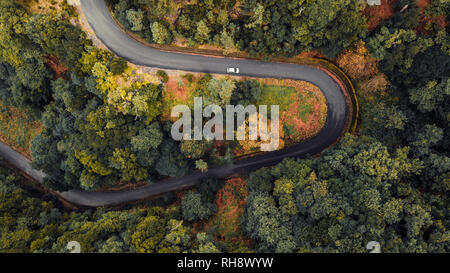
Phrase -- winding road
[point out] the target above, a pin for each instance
(124, 46)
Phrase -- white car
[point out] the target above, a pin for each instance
(233, 70)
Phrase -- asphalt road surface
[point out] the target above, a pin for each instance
(20, 162)
(122, 45)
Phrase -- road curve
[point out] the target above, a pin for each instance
(122, 45)
(20, 162)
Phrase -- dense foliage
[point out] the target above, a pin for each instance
(29, 224)
(277, 28)
(416, 114)
(388, 184)
(355, 193)
(97, 132)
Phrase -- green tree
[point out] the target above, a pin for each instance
(202, 34)
(429, 97)
(194, 209)
(201, 165)
(135, 17)
(160, 33)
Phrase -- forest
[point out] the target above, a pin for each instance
(101, 124)
(32, 223)
(266, 28)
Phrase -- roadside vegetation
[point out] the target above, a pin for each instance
(259, 28)
(302, 106)
(44, 6)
